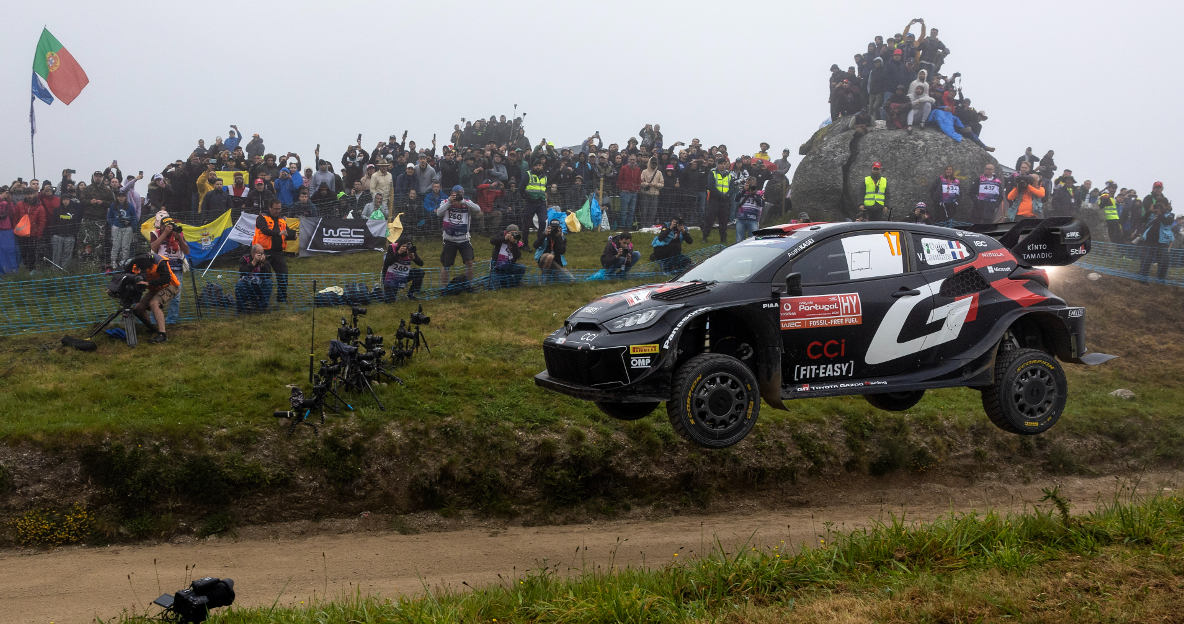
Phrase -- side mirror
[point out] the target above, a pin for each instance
(793, 284)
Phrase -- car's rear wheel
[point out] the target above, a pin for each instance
(627, 411)
(714, 400)
(1029, 392)
(895, 401)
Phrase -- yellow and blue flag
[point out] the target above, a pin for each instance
(205, 241)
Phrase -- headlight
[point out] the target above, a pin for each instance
(637, 320)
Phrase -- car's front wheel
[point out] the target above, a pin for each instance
(895, 401)
(714, 400)
(1029, 392)
(627, 411)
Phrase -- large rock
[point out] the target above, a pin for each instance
(828, 183)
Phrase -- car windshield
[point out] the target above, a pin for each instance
(736, 263)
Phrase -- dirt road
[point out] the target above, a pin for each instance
(76, 584)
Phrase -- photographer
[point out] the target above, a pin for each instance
(550, 246)
(1027, 188)
(271, 230)
(751, 204)
(619, 256)
(168, 241)
(253, 290)
(1156, 236)
(163, 285)
(456, 213)
(505, 272)
(668, 246)
(397, 270)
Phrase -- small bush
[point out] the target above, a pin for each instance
(45, 527)
(5, 480)
(216, 524)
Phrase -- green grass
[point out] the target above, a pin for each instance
(1127, 555)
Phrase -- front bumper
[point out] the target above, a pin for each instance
(641, 393)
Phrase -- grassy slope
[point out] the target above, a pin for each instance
(1122, 563)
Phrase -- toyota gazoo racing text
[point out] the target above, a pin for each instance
(885, 310)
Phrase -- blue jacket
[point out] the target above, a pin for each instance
(432, 201)
(1159, 229)
(284, 189)
(122, 216)
(232, 142)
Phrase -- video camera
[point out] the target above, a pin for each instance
(127, 288)
(193, 603)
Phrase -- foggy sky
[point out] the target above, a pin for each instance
(1095, 81)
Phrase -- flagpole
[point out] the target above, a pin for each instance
(32, 134)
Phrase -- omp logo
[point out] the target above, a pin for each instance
(639, 362)
(885, 346)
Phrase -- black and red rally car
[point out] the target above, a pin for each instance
(886, 310)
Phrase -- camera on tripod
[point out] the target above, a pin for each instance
(346, 333)
(402, 333)
(419, 318)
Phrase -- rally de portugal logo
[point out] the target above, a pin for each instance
(51, 59)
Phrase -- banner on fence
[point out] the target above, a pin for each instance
(323, 235)
(205, 241)
(244, 231)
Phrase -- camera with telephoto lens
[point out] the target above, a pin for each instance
(1022, 183)
(338, 350)
(403, 334)
(419, 318)
(127, 288)
(328, 370)
(345, 333)
(177, 228)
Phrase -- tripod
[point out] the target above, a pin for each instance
(419, 335)
(129, 323)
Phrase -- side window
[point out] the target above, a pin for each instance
(935, 251)
(855, 257)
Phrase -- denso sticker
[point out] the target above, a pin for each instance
(637, 296)
(643, 349)
(821, 311)
(824, 371)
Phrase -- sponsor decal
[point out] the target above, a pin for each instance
(1036, 246)
(998, 269)
(935, 251)
(591, 309)
(829, 349)
(823, 371)
(637, 296)
(885, 345)
(1079, 251)
(992, 254)
(801, 247)
(639, 362)
(560, 340)
(609, 299)
(589, 337)
(1069, 235)
(1036, 256)
(835, 386)
(980, 243)
(681, 322)
(1077, 313)
(821, 311)
(770, 305)
(642, 349)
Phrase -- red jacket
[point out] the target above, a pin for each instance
(36, 214)
(486, 197)
(629, 179)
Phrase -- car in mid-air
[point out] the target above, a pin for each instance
(884, 310)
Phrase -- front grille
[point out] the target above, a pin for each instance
(585, 366)
(690, 290)
(962, 283)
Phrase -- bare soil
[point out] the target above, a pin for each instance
(299, 561)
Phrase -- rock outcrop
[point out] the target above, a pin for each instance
(828, 183)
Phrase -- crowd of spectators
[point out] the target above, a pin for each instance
(898, 81)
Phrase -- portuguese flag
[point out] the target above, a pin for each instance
(57, 67)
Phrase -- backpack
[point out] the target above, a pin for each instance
(212, 296)
(456, 286)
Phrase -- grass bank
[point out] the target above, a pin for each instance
(149, 437)
(1120, 563)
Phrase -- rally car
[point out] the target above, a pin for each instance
(885, 310)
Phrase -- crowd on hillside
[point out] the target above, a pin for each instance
(512, 180)
(899, 81)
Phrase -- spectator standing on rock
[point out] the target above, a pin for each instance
(933, 52)
(920, 106)
(879, 84)
(897, 108)
(987, 192)
(945, 194)
(1047, 167)
(1029, 158)
(875, 196)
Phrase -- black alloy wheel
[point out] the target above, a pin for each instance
(1029, 393)
(715, 401)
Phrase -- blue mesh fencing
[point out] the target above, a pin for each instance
(1140, 262)
(80, 302)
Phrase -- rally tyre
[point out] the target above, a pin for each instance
(1029, 392)
(714, 401)
(895, 401)
(627, 411)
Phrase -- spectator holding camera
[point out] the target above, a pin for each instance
(751, 203)
(163, 285)
(168, 241)
(619, 255)
(505, 272)
(668, 246)
(397, 270)
(550, 246)
(456, 214)
(1156, 236)
(1027, 189)
(253, 290)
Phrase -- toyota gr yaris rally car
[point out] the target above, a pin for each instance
(885, 310)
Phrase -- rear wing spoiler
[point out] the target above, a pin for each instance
(1055, 241)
